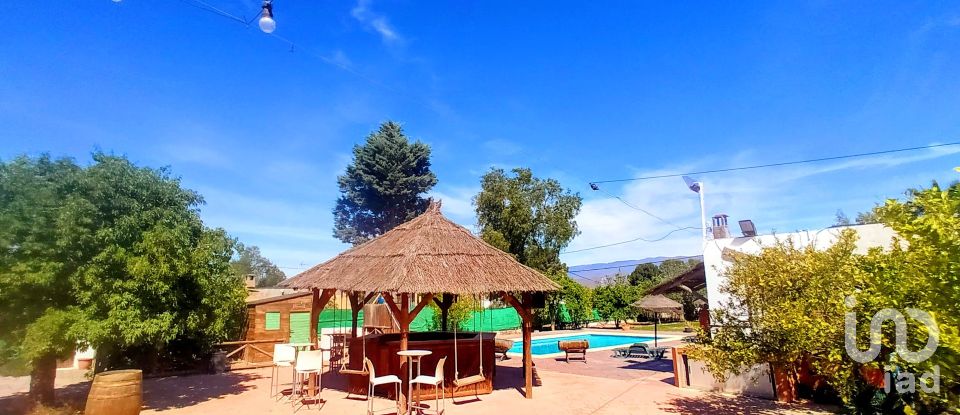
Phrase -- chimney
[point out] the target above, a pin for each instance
(720, 230)
(250, 281)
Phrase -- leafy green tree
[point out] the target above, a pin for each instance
(613, 300)
(867, 217)
(923, 272)
(785, 306)
(458, 313)
(383, 186)
(529, 217)
(250, 261)
(111, 255)
(577, 299)
(644, 275)
(841, 219)
(671, 268)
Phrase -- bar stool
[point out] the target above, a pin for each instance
(374, 381)
(439, 392)
(308, 363)
(283, 356)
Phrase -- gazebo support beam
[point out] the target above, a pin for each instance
(524, 309)
(319, 301)
(403, 316)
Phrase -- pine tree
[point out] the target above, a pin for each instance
(383, 186)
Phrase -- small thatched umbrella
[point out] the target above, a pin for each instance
(658, 304)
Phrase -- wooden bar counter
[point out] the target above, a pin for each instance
(382, 351)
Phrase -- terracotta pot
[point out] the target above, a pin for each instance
(84, 363)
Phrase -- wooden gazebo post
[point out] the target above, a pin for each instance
(524, 309)
(317, 303)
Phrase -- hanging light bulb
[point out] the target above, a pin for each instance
(267, 24)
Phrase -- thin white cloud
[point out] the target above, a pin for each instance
(379, 23)
(458, 204)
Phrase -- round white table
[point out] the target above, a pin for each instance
(412, 356)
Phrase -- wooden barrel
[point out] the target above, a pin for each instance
(115, 392)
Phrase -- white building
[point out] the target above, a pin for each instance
(716, 261)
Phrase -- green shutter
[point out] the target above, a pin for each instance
(272, 321)
(299, 327)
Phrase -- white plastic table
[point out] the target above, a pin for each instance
(412, 356)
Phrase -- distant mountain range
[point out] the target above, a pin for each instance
(591, 275)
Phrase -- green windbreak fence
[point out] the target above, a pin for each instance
(565, 315)
(492, 320)
(488, 320)
(338, 318)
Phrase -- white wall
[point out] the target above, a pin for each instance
(872, 235)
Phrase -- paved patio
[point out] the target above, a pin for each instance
(602, 385)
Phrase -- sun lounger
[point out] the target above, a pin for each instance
(640, 351)
(636, 350)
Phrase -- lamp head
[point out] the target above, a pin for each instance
(692, 183)
(267, 24)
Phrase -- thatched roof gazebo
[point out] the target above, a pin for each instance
(427, 256)
(658, 304)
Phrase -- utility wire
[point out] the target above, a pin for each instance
(628, 241)
(632, 206)
(787, 163)
(638, 264)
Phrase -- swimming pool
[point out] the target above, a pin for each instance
(549, 345)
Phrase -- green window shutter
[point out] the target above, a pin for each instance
(299, 327)
(272, 321)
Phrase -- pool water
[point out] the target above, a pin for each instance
(549, 345)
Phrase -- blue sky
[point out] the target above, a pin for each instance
(576, 91)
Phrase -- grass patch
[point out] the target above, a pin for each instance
(14, 367)
(678, 326)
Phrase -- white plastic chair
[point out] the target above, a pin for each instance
(375, 381)
(439, 392)
(283, 356)
(308, 363)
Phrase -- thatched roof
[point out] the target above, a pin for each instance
(658, 304)
(691, 280)
(429, 254)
